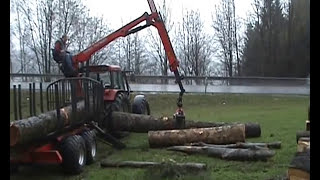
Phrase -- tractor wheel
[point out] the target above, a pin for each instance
(73, 152)
(140, 105)
(91, 145)
(120, 104)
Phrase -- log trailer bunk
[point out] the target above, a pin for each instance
(74, 145)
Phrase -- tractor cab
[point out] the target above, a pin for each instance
(111, 76)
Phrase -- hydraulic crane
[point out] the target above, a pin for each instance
(154, 19)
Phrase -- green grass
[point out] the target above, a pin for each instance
(280, 117)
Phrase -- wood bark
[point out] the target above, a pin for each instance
(303, 144)
(143, 164)
(301, 134)
(216, 135)
(144, 123)
(272, 145)
(299, 167)
(227, 153)
(37, 127)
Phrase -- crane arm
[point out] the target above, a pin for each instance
(173, 62)
(153, 19)
(122, 32)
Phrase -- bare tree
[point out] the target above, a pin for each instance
(20, 31)
(225, 30)
(194, 48)
(157, 51)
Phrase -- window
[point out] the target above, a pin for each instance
(105, 78)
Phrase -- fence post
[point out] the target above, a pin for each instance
(19, 101)
(15, 102)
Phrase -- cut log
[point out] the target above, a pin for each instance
(298, 174)
(300, 134)
(143, 164)
(144, 123)
(36, 127)
(303, 144)
(272, 145)
(227, 153)
(299, 167)
(216, 135)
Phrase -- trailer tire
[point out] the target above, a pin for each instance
(91, 145)
(73, 152)
(140, 105)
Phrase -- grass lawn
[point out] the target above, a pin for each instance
(280, 117)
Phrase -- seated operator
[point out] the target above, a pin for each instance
(64, 57)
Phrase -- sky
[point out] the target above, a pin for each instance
(120, 12)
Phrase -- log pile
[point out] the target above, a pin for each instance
(144, 123)
(36, 127)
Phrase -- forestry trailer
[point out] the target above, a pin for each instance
(82, 105)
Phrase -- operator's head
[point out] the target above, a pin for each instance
(64, 38)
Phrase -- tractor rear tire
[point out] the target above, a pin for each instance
(120, 104)
(73, 152)
(91, 145)
(140, 105)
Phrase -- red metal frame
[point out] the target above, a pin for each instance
(110, 94)
(46, 153)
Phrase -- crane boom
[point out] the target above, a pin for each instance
(153, 19)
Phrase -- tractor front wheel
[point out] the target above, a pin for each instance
(120, 104)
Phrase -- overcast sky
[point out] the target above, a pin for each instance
(120, 12)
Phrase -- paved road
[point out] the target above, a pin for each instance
(298, 90)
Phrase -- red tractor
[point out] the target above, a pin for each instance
(117, 92)
(106, 85)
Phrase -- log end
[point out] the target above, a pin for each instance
(14, 135)
(252, 130)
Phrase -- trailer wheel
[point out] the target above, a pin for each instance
(91, 145)
(140, 105)
(73, 152)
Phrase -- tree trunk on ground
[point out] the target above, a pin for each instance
(301, 134)
(144, 123)
(143, 164)
(37, 127)
(299, 167)
(227, 153)
(275, 145)
(303, 144)
(216, 135)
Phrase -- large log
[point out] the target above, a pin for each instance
(272, 145)
(227, 153)
(37, 127)
(299, 167)
(215, 135)
(143, 164)
(144, 123)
